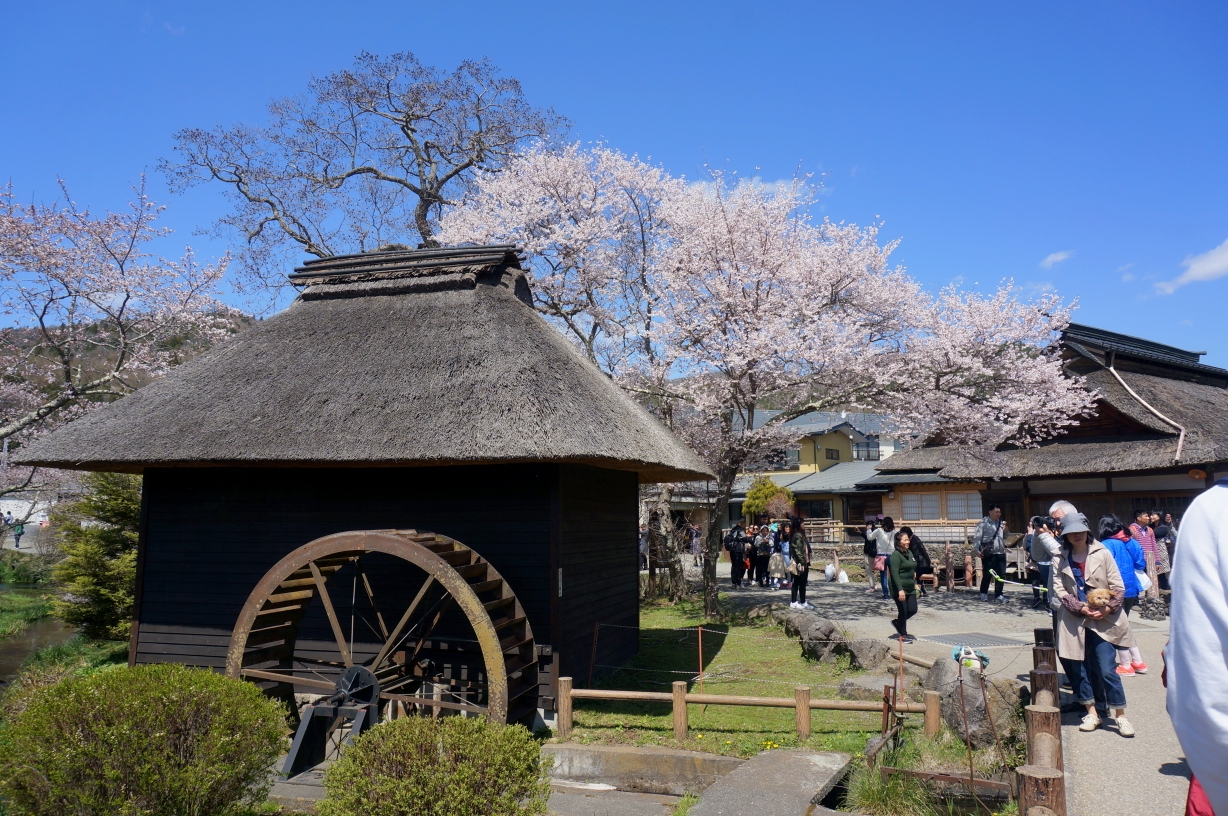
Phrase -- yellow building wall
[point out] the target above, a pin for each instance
(813, 454)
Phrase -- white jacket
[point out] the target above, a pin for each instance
(1197, 650)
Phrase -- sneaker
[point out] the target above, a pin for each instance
(1125, 671)
(793, 605)
(984, 596)
(1000, 599)
(1139, 667)
(871, 591)
(1090, 723)
(909, 639)
(1124, 728)
(805, 606)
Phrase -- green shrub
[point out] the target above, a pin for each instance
(98, 535)
(161, 740)
(17, 609)
(24, 567)
(453, 766)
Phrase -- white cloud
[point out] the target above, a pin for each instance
(1124, 267)
(1209, 265)
(1054, 258)
(1127, 277)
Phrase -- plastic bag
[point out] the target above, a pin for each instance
(969, 659)
(830, 573)
(842, 578)
(1144, 581)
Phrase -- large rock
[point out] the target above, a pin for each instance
(867, 653)
(796, 619)
(767, 610)
(821, 640)
(1003, 694)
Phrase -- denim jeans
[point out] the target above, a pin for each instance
(883, 580)
(1095, 679)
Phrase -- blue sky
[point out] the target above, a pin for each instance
(1078, 146)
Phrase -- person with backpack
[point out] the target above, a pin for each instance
(736, 547)
(19, 529)
(989, 538)
(1130, 560)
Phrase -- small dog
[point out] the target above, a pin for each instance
(1098, 599)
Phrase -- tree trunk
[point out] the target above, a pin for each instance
(724, 492)
(671, 545)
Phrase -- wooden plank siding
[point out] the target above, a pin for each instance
(600, 563)
(210, 535)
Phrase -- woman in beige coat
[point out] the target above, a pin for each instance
(1088, 638)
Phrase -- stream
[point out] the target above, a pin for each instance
(14, 650)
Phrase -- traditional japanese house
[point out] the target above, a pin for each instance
(1158, 438)
(416, 396)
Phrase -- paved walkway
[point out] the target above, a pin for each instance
(1106, 773)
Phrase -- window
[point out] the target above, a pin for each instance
(974, 506)
(912, 506)
(833, 453)
(866, 451)
(957, 506)
(815, 508)
(929, 506)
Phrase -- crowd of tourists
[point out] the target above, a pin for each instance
(773, 555)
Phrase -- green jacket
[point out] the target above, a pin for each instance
(902, 572)
(799, 550)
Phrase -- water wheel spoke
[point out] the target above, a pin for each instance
(262, 674)
(366, 585)
(428, 701)
(391, 640)
(430, 628)
(332, 614)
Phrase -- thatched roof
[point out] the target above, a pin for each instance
(388, 358)
(1187, 392)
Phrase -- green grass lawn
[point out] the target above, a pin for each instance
(742, 657)
(18, 608)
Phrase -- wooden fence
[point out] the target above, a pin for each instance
(800, 702)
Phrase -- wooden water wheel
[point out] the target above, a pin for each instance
(492, 672)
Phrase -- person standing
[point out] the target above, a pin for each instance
(1087, 637)
(924, 565)
(734, 545)
(776, 566)
(884, 543)
(1129, 557)
(870, 549)
(19, 529)
(1142, 533)
(1198, 642)
(799, 550)
(901, 579)
(763, 554)
(1044, 548)
(990, 541)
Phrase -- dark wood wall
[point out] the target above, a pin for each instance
(600, 563)
(210, 534)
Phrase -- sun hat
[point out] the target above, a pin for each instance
(1074, 523)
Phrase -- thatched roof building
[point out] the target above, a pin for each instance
(398, 358)
(403, 390)
(1158, 438)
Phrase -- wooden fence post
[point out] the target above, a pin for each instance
(680, 723)
(1044, 657)
(1043, 787)
(563, 715)
(1044, 730)
(886, 710)
(801, 697)
(969, 577)
(1044, 687)
(933, 713)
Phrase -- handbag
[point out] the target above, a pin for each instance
(795, 568)
(880, 562)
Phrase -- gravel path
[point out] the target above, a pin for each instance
(1106, 773)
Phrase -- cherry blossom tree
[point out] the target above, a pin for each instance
(713, 301)
(91, 315)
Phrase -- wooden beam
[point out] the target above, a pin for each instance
(332, 614)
